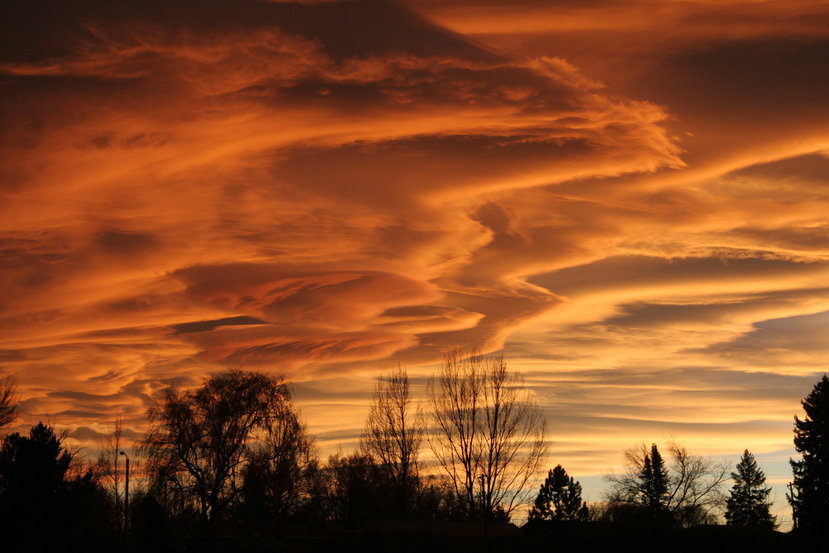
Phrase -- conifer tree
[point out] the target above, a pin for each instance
(749, 502)
(9, 406)
(559, 498)
(654, 479)
(685, 491)
(809, 497)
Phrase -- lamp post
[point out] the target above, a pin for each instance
(127, 495)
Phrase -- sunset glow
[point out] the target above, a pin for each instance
(629, 200)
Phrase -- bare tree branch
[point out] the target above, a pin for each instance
(393, 435)
(694, 495)
(197, 440)
(108, 461)
(489, 435)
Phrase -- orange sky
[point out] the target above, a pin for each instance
(629, 199)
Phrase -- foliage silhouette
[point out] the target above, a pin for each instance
(274, 478)
(749, 504)
(685, 492)
(33, 468)
(489, 435)
(653, 477)
(198, 440)
(350, 490)
(9, 406)
(42, 497)
(559, 499)
(235, 451)
(149, 523)
(809, 495)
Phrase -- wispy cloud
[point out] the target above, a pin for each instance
(634, 212)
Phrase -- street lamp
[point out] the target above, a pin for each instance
(127, 495)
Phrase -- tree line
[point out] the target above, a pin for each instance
(235, 451)
(236, 447)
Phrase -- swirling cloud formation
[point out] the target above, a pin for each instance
(627, 198)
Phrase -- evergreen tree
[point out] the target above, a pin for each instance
(559, 498)
(810, 491)
(9, 406)
(654, 481)
(685, 491)
(749, 504)
(41, 497)
(33, 468)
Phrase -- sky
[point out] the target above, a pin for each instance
(628, 199)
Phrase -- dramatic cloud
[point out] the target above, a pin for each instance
(628, 199)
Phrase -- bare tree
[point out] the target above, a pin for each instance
(489, 436)
(692, 493)
(393, 435)
(455, 408)
(9, 406)
(108, 461)
(197, 440)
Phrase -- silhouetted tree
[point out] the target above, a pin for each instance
(198, 440)
(277, 468)
(559, 498)
(653, 477)
(40, 499)
(149, 523)
(685, 492)
(33, 468)
(810, 494)
(348, 490)
(393, 435)
(436, 500)
(108, 462)
(749, 505)
(9, 405)
(489, 435)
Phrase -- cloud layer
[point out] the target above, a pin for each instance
(634, 209)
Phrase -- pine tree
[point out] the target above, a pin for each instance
(685, 493)
(654, 481)
(749, 502)
(809, 497)
(559, 498)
